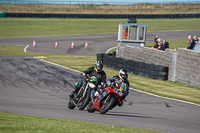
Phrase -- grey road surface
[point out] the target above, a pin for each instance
(97, 43)
(33, 87)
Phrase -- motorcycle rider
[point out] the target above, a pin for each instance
(121, 79)
(96, 71)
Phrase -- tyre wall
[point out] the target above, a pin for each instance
(187, 66)
(136, 67)
(113, 16)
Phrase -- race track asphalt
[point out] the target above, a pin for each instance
(34, 87)
(97, 43)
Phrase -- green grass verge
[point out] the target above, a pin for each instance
(59, 26)
(10, 123)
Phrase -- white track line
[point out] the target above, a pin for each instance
(130, 88)
(58, 65)
(26, 48)
(165, 97)
(110, 49)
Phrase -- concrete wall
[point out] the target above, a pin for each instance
(188, 67)
(187, 64)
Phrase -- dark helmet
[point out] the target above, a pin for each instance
(123, 74)
(99, 64)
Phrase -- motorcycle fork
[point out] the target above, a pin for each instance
(82, 91)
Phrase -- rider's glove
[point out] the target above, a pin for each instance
(108, 83)
(83, 74)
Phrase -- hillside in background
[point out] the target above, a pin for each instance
(143, 8)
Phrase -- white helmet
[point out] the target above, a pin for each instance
(123, 74)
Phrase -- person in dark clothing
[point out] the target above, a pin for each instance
(159, 45)
(191, 43)
(156, 43)
(96, 71)
(195, 39)
(166, 44)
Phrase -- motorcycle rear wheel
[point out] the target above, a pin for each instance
(108, 105)
(85, 102)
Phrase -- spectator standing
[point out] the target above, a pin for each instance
(191, 43)
(195, 39)
(156, 43)
(160, 45)
(166, 44)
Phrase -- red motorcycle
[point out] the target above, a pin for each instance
(108, 98)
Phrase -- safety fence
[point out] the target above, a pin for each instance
(111, 16)
(136, 67)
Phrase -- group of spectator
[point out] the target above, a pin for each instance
(192, 41)
(160, 44)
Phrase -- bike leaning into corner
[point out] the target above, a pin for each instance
(77, 92)
(82, 97)
(114, 94)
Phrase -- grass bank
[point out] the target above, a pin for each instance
(108, 7)
(10, 123)
(11, 27)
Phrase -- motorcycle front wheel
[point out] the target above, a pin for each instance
(84, 102)
(71, 104)
(90, 109)
(107, 104)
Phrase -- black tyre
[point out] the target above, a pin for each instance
(71, 104)
(110, 102)
(90, 109)
(84, 102)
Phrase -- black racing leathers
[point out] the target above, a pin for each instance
(101, 76)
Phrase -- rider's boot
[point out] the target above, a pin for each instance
(92, 96)
(76, 89)
(71, 94)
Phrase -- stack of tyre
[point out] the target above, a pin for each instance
(138, 68)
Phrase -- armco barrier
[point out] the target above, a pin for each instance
(113, 16)
(136, 67)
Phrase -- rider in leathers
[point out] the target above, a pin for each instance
(97, 71)
(122, 78)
